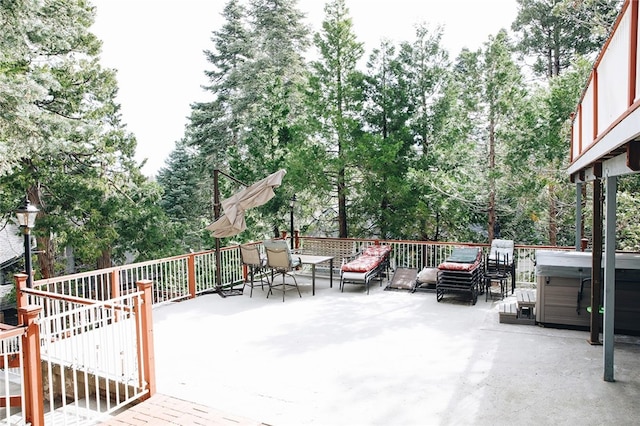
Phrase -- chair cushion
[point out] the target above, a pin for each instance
(454, 266)
(377, 250)
(428, 276)
(502, 248)
(362, 264)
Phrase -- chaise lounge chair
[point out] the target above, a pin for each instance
(371, 263)
(462, 272)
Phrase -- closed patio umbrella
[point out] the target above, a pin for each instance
(232, 222)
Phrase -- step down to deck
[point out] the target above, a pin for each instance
(509, 315)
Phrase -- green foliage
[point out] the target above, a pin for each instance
(557, 32)
(411, 147)
(63, 143)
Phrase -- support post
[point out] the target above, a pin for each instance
(34, 404)
(609, 277)
(596, 264)
(21, 297)
(115, 286)
(146, 354)
(27, 256)
(578, 216)
(191, 273)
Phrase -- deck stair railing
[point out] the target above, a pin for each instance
(90, 358)
(20, 382)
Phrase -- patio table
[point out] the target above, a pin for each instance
(307, 259)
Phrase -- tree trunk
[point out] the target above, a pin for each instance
(553, 216)
(46, 257)
(44, 245)
(104, 261)
(342, 205)
(492, 182)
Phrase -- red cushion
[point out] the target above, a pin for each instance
(453, 266)
(377, 250)
(362, 264)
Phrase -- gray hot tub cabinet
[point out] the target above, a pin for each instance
(558, 278)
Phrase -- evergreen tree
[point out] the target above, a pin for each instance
(76, 159)
(336, 96)
(556, 32)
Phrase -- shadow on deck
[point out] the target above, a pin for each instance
(384, 358)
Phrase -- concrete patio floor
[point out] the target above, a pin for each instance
(387, 358)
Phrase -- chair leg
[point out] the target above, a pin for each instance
(251, 292)
(487, 284)
(296, 281)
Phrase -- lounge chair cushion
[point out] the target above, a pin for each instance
(377, 250)
(453, 266)
(362, 264)
(428, 276)
(462, 259)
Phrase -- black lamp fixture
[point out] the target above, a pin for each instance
(292, 203)
(26, 215)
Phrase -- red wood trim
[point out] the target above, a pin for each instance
(633, 52)
(597, 169)
(633, 155)
(573, 135)
(627, 113)
(146, 354)
(580, 136)
(595, 104)
(34, 404)
(191, 267)
(13, 361)
(115, 284)
(607, 42)
(21, 297)
(14, 401)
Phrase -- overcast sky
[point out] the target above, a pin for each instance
(157, 47)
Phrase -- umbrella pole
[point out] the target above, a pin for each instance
(216, 213)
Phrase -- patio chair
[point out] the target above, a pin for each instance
(256, 264)
(280, 261)
(496, 271)
(505, 248)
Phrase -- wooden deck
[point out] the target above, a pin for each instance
(166, 410)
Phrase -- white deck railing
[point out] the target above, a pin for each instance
(11, 377)
(90, 330)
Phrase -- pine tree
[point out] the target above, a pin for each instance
(557, 32)
(336, 100)
(66, 146)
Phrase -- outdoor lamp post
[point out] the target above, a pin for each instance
(26, 215)
(291, 204)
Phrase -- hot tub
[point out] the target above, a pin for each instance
(559, 275)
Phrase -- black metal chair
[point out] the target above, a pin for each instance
(497, 271)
